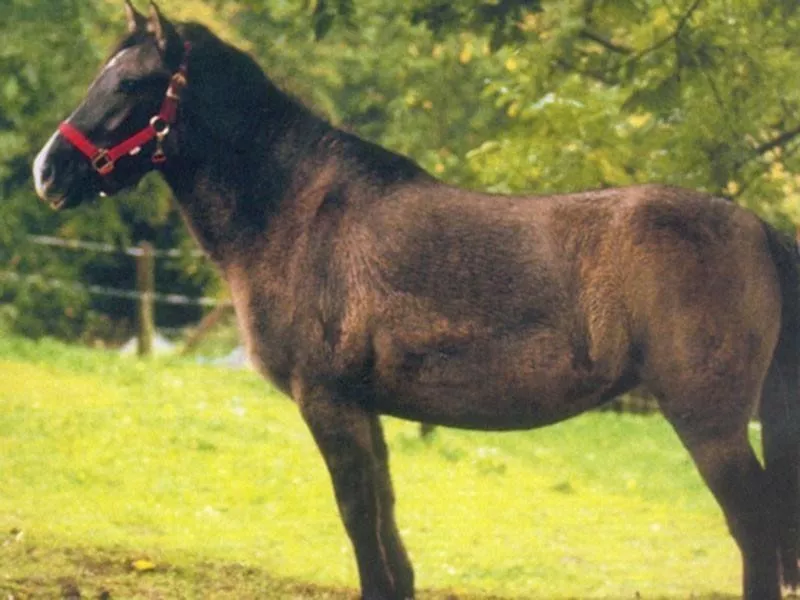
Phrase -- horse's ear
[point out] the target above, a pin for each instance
(136, 21)
(160, 27)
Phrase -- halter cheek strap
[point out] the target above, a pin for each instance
(103, 160)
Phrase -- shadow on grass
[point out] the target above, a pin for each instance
(29, 571)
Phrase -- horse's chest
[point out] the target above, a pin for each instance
(265, 327)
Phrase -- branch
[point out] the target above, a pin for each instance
(588, 7)
(631, 55)
(588, 34)
(782, 140)
(675, 33)
(717, 96)
(596, 74)
(779, 141)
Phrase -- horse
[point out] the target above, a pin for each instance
(364, 286)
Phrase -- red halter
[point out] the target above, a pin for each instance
(104, 159)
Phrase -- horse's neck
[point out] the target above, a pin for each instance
(231, 195)
(210, 211)
(253, 164)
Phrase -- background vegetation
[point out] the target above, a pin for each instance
(504, 95)
(133, 479)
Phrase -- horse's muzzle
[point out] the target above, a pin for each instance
(56, 180)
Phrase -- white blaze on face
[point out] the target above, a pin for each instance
(115, 59)
(38, 167)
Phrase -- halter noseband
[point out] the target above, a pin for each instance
(103, 160)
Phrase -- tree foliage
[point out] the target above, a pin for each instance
(584, 93)
(504, 95)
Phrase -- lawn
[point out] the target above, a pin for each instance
(124, 478)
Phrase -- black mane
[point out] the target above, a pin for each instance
(250, 136)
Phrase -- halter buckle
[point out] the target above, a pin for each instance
(176, 85)
(102, 163)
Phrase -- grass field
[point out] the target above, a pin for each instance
(124, 478)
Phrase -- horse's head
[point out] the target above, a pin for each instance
(121, 130)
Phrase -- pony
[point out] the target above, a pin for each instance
(363, 286)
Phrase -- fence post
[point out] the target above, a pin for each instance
(145, 285)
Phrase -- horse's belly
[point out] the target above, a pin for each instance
(494, 384)
(490, 411)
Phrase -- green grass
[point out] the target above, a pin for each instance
(209, 480)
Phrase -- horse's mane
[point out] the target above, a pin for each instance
(237, 93)
(253, 97)
(206, 46)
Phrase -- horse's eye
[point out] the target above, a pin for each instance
(129, 86)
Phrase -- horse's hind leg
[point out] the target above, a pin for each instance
(352, 444)
(726, 461)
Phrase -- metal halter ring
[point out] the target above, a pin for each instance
(160, 126)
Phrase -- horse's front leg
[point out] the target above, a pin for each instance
(351, 441)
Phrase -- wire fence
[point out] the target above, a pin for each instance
(98, 290)
(46, 240)
(145, 295)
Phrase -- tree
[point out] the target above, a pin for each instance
(701, 93)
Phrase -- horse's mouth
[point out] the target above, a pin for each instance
(71, 199)
(78, 192)
(58, 203)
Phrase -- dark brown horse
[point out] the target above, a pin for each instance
(364, 286)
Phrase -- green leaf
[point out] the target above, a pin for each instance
(659, 99)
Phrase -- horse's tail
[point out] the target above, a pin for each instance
(780, 410)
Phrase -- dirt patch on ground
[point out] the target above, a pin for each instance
(30, 572)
